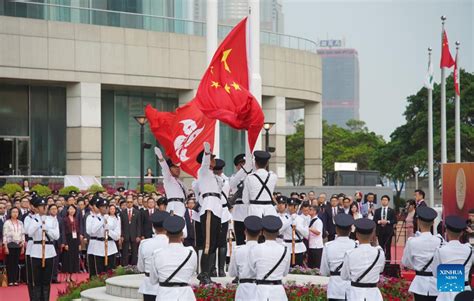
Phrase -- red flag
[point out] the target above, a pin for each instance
(456, 78)
(223, 93)
(182, 133)
(446, 58)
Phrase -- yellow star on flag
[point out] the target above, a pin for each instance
(215, 84)
(236, 86)
(225, 54)
(227, 88)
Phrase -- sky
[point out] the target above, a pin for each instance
(392, 38)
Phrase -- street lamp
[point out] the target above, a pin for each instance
(416, 170)
(267, 126)
(142, 121)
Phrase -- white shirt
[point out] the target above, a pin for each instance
(302, 231)
(92, 242)
(316, 241)
(356, 262)
(453, 252)
(333, 255)
(98, 226)
(284, 217)
(252, 187)
(174, 188)
(226, 216)
(145, 260)
(208, 182)
(240, 211)
(29, 243)
(13, 232)
(240, 267)
(35, 230)
(418, 252)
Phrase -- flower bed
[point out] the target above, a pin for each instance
(304, 271)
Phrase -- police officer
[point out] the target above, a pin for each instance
(174, 273)
(174, 187)
(364, 264)
(42, 229)
(301, 231)
(270, 262)
(106, 231)
(210, 189)
(281, 209)
(418, 255)
(453, 252)
(243, 164)
(240, 263)
(333, 258)
(29, 245)
(259, 186)
(91, 247)
(145, 254)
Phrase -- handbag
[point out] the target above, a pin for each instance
(3, 278)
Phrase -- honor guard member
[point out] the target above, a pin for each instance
(259, 186)
(145, 254)
(91, 263)
(225, 219)
(174, 274)
(333, 258)
(43, 230)
(106, 231)
(29, 245)
(270, 262)
(210, 188)
(418, 255)
(243, 164)
(363, 265)
(281, 209)
(174, 187)
(240, 263)
(301, 231)
(454, 252)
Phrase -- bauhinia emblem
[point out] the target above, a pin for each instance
(191, 132)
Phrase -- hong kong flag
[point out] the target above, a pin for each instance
(182, 133)
(223, 93)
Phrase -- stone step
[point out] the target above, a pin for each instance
(100, 294)
(125, 286)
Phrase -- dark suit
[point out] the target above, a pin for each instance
(385, 233)
(331, 227)
(422, 203)
(147, 227)
(189, 240)
(131, 229)
(324, 219)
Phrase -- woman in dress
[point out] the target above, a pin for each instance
(14, 244)
(354, 211)
(70, 243)
(410, 219)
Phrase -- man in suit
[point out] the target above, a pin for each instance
(346, 205)
(331, 211)
(131, 232)
(420, 198)
(24, 208)
(146, 213)
(368, 209)
(384, 218)
(190, 204)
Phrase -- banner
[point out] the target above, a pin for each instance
(458, 188)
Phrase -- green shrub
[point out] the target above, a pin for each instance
(67, 190)
(11, 189)
(96, 188)
(147, 188)
(41, 190)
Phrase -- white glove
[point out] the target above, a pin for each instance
(158, 153)
(207, 147)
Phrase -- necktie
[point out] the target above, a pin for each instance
(129, 216)
(384, 213)
(150, 211)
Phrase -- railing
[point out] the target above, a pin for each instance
(95, 16)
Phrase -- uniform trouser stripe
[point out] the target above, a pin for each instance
(207, 243)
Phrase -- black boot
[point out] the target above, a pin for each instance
(222, 258)
(36, 293)
(212, 263)
(45, 290)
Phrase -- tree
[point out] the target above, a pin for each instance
(295, 154)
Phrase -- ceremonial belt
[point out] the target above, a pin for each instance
(208, 194)
(173, 284)
(224, 205)
(335, 273)
(255, 202)
(100, 238)
(274, 268)
(268, 282)
(40, 242)
(365, 285)
(247, 280)
(147, 274)
(290, 240)
(239, 202)
(181, 200)
(264, 186)
(423, 273)
(29, 238)
(92, 238)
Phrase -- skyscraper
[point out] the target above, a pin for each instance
(340, 85)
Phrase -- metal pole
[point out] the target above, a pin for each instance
(430, 141)
(416, 180)
(444, 151)
(255, 78)
(457, 110)
(211, 46)
(142, 158)
(267, 140)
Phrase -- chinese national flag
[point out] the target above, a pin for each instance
(223, 93)
(447, 60)
(182, 133)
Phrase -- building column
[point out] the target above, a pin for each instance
(83, 119)
(274, 109)
(313, 144)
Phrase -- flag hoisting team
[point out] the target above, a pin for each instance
(269, 233)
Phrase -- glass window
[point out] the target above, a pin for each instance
(13, 110)
(232, 143)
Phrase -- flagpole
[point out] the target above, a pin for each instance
(444, 156)
(457, 110)
(430, 138)
(211, 46)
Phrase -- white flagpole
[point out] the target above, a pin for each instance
(211, 46)
(430, 138)
(444, 151)
(255, 77)
(457, 110)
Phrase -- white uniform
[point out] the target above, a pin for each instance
(356, 262)
(284, 217)
(263, 258)
(453, 252)
(175, 254)
(145, 261)
(332, 262)
(240, 267)
(240, 210)
(29, 243)
(34, 230)
(174, 189)
(91, 247)
(255, 193)
(98, 227)
(210, 188)
(226, 216)
(418, 255)
(302, 231)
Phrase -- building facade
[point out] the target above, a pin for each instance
(70, 86)
(340, 85)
